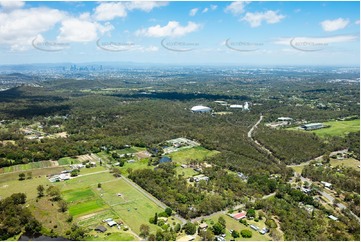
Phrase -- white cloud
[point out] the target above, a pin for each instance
(317, 40)
(110, 10)
(193, 11)
(357, 22)
(172, 29)
(213, 7)
(205, 10)
(9, 5)
(256, 19)
(106, 11)
(145, 6)
(19, 27)
(236, 8)
(78, 30)
(333, 25)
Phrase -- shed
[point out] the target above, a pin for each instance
(101, 229)
(111, 223)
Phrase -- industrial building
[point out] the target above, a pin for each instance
(312, 126)
(201, 109)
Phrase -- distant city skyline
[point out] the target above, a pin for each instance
(189, 33)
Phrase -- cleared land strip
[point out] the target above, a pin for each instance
(148, 195)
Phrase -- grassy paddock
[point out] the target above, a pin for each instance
(132, 206)
(236, 225)
(350, 162)
(196, 153)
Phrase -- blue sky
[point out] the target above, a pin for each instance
(203, 32)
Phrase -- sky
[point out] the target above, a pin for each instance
(187, 32)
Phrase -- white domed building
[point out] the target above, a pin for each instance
(201, 109)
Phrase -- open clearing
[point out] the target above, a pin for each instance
(131, 206)
(339, 128)
(236, 225)
(349, 162)
(196, 153)
(115, 199)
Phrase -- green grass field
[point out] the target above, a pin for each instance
(67, 161)
(117, 236)
(86, 207)
(187, 172)
(350, 162)
(142, 164)
(78, 195)
(132, 206)
(196, 153)
(339, 128)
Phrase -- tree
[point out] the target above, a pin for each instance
(151, 237)
(29, 175)
(222, 221)
(190, 228)
(235, 234)
(40, 189)
(177, 228)
(144, 230)
(251, 213)
(21, 176)
(246, 233)
(54, 193)
(116, 172)
(63, 206)
(168, 211)
(74, 173)
(218, 228)
(207, 235)
(156, 218)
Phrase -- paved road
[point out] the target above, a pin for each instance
(148, 195)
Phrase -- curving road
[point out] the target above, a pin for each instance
(250, 133)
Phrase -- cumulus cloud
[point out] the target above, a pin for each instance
(256, 19)
(106, 11)
(10, 5)
(110, 10)
(193, 11)
(213, 7)
(145, 6)
(78, 30)
(357, 22)
(172, 29)
(333, 25)
(236, 8)
(19, 27)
